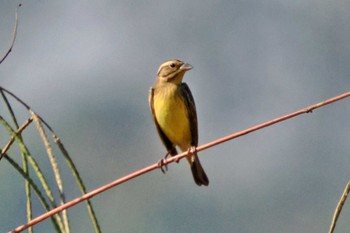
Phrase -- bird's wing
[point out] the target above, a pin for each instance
(169, 146)
(186, 94)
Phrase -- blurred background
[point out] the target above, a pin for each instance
(86, 68)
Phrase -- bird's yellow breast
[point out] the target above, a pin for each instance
(172, 116)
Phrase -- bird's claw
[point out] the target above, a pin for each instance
(163, 164)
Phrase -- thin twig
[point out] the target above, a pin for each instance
(15, 97)
(14, 35)
(26, 106)
(8, 105)
(27, 189)
(54, 165)
(172, 159)
(18, 132)
(339, 207)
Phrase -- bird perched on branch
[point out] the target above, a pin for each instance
(174, 114)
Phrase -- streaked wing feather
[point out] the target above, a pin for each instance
(192, 113)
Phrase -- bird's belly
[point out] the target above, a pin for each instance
(172, 117)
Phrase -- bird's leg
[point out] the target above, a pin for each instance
(163, 163)
(192, 150)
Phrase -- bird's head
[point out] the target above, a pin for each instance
(173, 71)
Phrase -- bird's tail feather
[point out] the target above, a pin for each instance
(198, 173)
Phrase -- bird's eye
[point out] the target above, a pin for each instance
(172, 65)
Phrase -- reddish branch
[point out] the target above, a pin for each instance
(175, 158)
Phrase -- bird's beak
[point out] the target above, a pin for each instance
(186, 67)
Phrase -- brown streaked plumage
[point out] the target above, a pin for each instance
(174, 114)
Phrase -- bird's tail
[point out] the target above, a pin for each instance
(198, 172)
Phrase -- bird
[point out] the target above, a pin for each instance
(174, 114)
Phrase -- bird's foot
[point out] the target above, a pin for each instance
(192, 150)
(163, 163)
